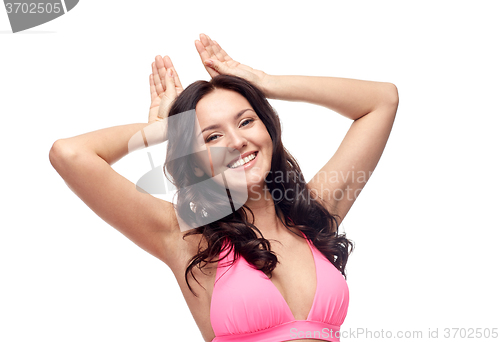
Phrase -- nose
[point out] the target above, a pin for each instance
(236, 141)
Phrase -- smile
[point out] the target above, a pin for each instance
(245, 162)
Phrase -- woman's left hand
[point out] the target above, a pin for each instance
(217, 61)
(165, 86)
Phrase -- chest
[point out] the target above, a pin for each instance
(295, 277)
(291, 291)
(246, 300)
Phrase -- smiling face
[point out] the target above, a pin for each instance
(230, 130)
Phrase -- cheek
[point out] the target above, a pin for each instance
(202, 161)
(262, 136)
(212, 161)
(219, 155)
(267, 142)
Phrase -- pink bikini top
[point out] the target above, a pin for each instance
(247, 307)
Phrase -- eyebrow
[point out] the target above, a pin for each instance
(236, 117)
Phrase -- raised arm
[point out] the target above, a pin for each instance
(371, 105)
(84, 162)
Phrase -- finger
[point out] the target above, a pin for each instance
(157, 80)
(217, 52)
(170, 81)
(169, 95)
(168, 64)
(204, 56)
(224, 54)
(162, 70)
(218, 66)
(201, 50)
(177, 82)
(204, 40)
(206, 43)
(152, 87)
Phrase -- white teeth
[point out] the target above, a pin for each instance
(243, 161)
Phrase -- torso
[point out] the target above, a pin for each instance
(292, 277)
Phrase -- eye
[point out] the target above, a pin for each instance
(210, 138)
(249, 121)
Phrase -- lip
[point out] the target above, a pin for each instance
(244, 155)
(247, 165)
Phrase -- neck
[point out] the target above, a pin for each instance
(265, 212)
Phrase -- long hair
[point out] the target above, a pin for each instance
(294, 205)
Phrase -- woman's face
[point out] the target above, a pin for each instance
(228, 130)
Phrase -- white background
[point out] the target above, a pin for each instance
(425, 229)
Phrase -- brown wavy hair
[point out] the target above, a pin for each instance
(298, 210)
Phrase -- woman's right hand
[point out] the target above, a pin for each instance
(217, 61)
(165, 86)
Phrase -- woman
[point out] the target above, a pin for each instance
(255, 250)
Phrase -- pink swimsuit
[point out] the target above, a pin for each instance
(247, 307)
